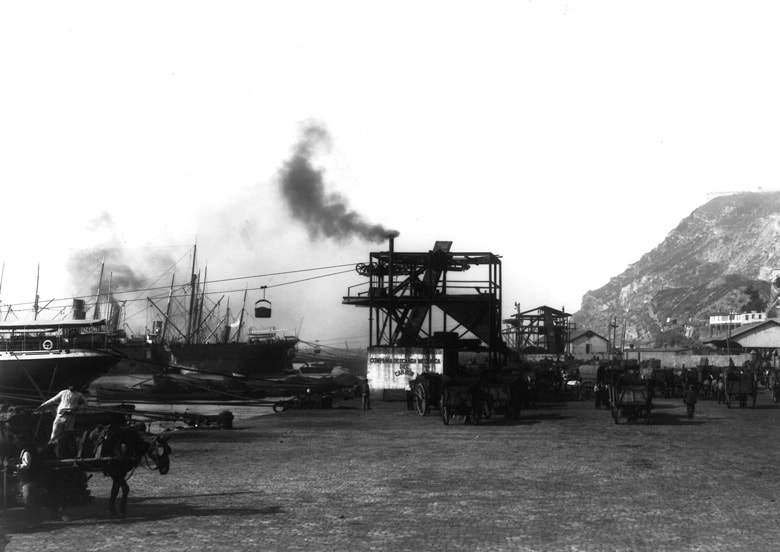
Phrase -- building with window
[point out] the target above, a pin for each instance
(723, 323)
(586, 344)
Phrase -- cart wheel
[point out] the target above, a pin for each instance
(446, 415)
(420, 401)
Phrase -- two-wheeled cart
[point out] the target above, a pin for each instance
(630, 398)
(503, 396)
(461, 398)
(741, 386)
(426, 390)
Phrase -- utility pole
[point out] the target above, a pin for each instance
(612, 333)
(728, 336)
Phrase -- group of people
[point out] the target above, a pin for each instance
(712, 387)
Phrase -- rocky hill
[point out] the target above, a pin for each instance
(718, 260)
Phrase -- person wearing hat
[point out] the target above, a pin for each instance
(690, 400)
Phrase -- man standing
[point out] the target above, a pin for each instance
(67, 401)
(366, 395)
(690, 401)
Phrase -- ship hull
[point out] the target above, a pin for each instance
(40, 374)
(172, 388)
(248, 360)
(244, 360)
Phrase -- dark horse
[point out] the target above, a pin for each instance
(124, 448)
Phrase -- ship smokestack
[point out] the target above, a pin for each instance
(79, 311)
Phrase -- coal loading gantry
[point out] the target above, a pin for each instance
(429, 311)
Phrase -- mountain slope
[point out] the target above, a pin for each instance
(719, 259)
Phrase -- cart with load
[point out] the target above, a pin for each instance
(630, 398)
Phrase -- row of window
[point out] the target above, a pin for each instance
(742, 317)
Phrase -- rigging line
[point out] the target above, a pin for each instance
(307, 279)
(117, 293)
(230, 290)
(223, 291)
(283, 273)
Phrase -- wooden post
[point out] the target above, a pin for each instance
(5, 483)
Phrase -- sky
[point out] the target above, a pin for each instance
(567, 137)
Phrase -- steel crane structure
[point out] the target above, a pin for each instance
(438, 299)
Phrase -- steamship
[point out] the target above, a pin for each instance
(39, 358)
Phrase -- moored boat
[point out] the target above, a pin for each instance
(173, 388)
(263, 354)
(39, 358)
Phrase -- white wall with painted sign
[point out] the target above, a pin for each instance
(395, 367)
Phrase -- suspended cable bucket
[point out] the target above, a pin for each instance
(263, 307)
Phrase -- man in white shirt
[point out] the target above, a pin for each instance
(68, 401)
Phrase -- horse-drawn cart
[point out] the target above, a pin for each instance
(503, 395)
(470, 397)
(426, 389)
(741, 385)
(461, 398)
(59, 470)
(630, 398)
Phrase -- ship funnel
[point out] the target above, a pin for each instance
(79, 312)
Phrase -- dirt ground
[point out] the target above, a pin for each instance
(562, 477)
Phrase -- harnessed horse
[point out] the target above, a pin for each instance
(124, 448)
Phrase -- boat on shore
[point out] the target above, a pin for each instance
(39, 358)
(177, 388)
(267, 353)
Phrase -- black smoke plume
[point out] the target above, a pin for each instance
(122, 271)
(323, 214)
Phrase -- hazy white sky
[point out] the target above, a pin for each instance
(568, 137)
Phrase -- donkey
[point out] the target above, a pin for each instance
(124, 448)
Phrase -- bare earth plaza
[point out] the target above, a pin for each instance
(563, 476)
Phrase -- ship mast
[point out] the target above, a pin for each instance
(96, 313)
(109, 306)
(241, 318)
(199, 319)
(193, 282)
(226, 330)
(167, 310)
(37, 281)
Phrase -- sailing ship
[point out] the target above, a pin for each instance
(189, 336)
(41, 357)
